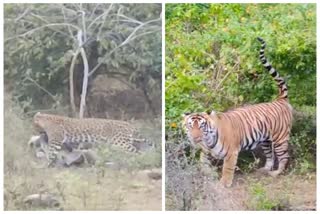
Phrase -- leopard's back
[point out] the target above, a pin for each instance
(70, 133)
(98, 131)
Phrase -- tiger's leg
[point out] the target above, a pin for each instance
(281, 152)
(268, 151)
(229, 166)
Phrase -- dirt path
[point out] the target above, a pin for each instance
(87, 189)
(257, 192)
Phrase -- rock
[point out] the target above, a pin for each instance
(42, 200)
(67, 156)
(90, 156)
(77, 157)
(155, 175)
(74, 157)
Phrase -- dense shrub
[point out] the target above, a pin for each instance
(212, 62)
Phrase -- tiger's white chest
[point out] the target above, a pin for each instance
(217, 150)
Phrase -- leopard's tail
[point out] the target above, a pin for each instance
(283, 90)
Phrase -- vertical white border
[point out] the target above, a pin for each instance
(2, 96)
(163, 78)
(1, 106)
(163, 109)
(317, 107)
(317, 95)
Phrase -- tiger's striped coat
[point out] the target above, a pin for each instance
(224, 135)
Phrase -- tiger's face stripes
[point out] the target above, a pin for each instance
(224, 135)
(201, 130)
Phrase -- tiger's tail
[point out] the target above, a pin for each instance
(283, 90)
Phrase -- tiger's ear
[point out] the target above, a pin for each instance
(185, 114)
(212, 113)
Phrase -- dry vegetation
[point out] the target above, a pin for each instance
(212, 63)
(127, 185)
(188, 189)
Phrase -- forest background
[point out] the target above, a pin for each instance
(212, 63)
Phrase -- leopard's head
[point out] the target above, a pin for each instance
(43, 122)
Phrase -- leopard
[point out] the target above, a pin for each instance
(66, 133)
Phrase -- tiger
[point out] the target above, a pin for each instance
(224, 135)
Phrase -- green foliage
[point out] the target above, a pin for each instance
(259, 199)
(212, 63)
(40, 40)
(212, 54)
(303, 140)
(114, 157)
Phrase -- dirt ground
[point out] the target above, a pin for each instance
(257, 192)
(86, 189)
(189, 188)
(132, 183)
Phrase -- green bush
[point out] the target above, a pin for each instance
(212, 63)
(259, 200)
(38, 57)
(303, 140)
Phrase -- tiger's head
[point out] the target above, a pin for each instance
(201, 128)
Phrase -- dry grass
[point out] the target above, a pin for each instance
(125, 187)
(188, 189)
(85, 189)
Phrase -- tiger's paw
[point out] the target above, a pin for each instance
(263, 170)
(274, 174)
(226, 182)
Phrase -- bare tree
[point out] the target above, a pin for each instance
(83, 25)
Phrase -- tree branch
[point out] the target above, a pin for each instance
(129, 38)
(85, 82)
(94, 10)
(143, 34)
(41, 27)
(65, 19)
(71, 82)
(46, 22)
(42, 88)
(83, 16)
(97, 18)
(104, 20)
(128, 19)
(22, 15)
